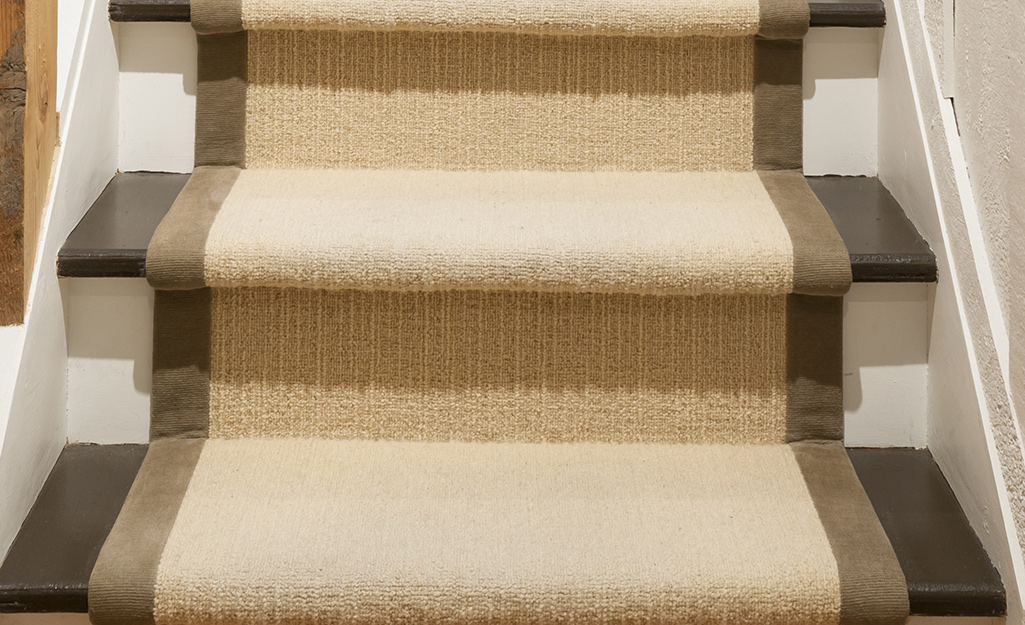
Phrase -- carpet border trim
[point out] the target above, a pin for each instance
(778, 104)
(122, 586)
(211, 17)
(783, 19)
(223, 67)
(180, 401)
(176, 256)
(873, 590)
(814, 369)
(822, 265)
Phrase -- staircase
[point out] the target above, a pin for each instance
(555, 335)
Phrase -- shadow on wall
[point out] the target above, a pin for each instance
(886, 348)
(159, 49)
(110, 328)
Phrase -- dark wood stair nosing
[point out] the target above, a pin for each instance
(110, 241)
(843, 14)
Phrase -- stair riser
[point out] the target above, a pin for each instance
(109, 325)
(158, 87)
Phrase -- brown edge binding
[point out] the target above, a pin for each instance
(873, 590)
(122, 584)
(216, 17)
(180, 404)
(814, 368)
(783, 19)
(822, 265)
(175, 257)
(221, 99)
(778, 104)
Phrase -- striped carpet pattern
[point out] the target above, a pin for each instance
(480, 311)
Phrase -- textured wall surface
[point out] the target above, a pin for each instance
(989, 78)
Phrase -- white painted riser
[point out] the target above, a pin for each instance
(157, 99)
(109, 325)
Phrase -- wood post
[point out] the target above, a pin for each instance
(28, 138)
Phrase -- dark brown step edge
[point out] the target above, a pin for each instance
(847, 13)
(948, 572)
(111, 239)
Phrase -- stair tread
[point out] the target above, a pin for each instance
(47, 569)
(111, 238)
(838, 13)
(919, 511)
(668, 233)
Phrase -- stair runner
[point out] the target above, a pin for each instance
(497, 311)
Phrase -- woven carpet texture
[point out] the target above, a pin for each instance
(486, 101)
(498, 311)
(497, 366)
(658, 233)
(718, 18)
(470, 533)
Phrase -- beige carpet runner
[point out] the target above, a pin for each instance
(497, 311)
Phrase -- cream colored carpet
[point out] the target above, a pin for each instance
(288, 531)
(690, 233)
(497, 312)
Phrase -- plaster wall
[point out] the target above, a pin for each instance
(972, 430)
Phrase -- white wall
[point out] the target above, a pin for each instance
(972, 430)
(110, 352)
(988, 82)
(33, 425)
(886, 350)
(841, 68)
(158, 99)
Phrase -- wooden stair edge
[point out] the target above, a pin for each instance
(827, 13)
(111, 239)
(948, 571)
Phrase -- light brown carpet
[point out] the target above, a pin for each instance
(497, 312)
(720, 18)
(494, 101)
(499, 366)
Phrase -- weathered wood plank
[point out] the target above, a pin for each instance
(12, 123)
(40, 120)
(28, 138)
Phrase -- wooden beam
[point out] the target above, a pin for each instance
(12, 123)
(28, 138)
(40, 120)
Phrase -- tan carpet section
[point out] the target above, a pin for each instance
(484, 101)
(301, 531)
(625, 232)
(559, 17)
(497, 366)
